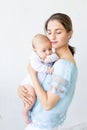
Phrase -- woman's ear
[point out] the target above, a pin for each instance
(70, 35)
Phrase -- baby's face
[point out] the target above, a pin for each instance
(44, 49)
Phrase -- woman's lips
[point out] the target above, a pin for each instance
(53, 43)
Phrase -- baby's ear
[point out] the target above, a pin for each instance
(34, 49)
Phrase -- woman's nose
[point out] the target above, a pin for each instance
(53, 36)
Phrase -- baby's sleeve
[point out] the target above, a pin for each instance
(59, 82)
(38, 65)
(53, 57)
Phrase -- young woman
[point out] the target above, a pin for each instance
(55, 94)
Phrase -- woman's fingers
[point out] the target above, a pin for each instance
(28, 99)
(25, 96)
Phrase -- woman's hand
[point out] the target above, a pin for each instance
(24, 95)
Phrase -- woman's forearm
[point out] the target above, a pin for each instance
(47, 99)
(40, 92)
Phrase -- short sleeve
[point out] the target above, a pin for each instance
(60, 78)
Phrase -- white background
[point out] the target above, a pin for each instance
(19, 21)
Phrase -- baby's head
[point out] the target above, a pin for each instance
(42, 46)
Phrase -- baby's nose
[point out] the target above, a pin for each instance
(48, 52)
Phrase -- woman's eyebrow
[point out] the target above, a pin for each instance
(57, 29)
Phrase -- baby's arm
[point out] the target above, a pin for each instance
(51, 58)
(41, 66)
(38, 65)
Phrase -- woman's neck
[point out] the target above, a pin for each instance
(65, 53)
(62, 52)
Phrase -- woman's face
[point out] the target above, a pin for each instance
(57, 34)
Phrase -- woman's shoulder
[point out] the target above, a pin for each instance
(64, 67)
(64, 63)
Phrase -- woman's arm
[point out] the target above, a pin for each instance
(47, 98)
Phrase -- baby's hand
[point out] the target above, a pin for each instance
(49, 70)
(47, 60)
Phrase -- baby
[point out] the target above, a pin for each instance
(41, 60)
